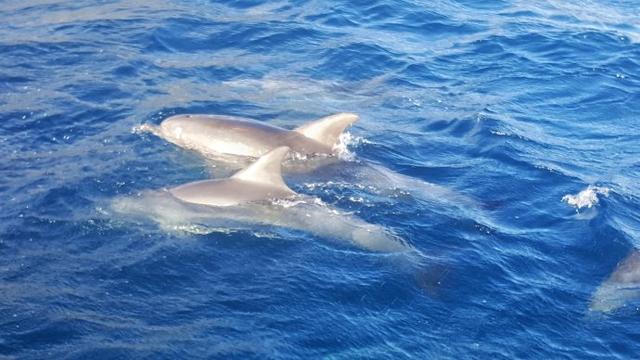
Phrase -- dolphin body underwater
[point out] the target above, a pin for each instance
(257, 195)
(621, 287)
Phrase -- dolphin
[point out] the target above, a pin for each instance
(622, 286)
(237, 136)
(256, 195)
(260, 181)
(232, 142)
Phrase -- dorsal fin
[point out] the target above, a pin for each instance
(327, 130)
(266, 170)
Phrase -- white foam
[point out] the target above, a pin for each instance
(287, 203)
(586, 198)
(345, 141)
(201, 229)
(144, 128)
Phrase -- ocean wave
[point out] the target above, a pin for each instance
(488, 132)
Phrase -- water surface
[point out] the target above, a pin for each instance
(511, 104)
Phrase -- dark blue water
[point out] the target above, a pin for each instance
(512, 104)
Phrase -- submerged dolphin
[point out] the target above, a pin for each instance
(217, 134)
(256, 195)
(622, 286)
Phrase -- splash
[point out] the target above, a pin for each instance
(586, 198)
(197, 229)
(287, 203)
(345, 141)
(145, 128)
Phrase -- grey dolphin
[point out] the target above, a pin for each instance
(622, 286)
(257, 195)
(260, 181)
(218, 134)
(233, 141)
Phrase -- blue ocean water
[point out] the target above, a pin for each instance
(511, 103)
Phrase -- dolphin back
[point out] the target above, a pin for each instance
(267, 170)
(327, 130)
(621, 287)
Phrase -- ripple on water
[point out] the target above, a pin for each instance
(499, 139)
